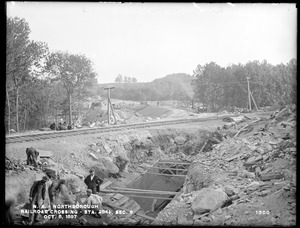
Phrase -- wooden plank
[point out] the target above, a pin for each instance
(178, 194)
(135, 190)
(105, 185)
(129, 204)
(142, 193)
(45, 153)
(153, 205)
(239, 131)
(145, 216)
(151, 197)
(118, 196)
(173, 162)
(138, 213)
(132, 206)
(142, 196)
(166, 170)
(122, 200)
(182, 167)
(202, 148)
(170, 175)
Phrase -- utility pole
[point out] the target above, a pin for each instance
(249, 98)
(253, 101)
(108, 103)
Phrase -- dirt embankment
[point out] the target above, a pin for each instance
(73, 156)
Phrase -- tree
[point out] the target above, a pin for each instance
(134, 80)
(269, 85)
(73, 70)
(126, 79)
(23, 58)
(208, 84)
(198, 84)
(119, 79)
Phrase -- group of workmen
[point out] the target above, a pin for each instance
(57, 187)
(37, 194)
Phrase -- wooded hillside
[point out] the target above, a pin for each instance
(171, 87)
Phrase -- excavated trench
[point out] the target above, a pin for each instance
(167, 177)
(171, 148)
(156, 179)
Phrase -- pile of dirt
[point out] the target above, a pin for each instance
(255, 166)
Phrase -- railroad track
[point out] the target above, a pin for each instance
(59, 134)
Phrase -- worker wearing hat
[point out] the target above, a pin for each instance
(94, 199)
(93, 182)
(36, 197)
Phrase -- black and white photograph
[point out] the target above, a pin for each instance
(150, 114)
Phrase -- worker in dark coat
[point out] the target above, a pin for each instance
(93, 182)
(32, 156)
(36, 197)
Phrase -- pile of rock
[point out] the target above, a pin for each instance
(13, 164)
(254, 167)
(111, 160)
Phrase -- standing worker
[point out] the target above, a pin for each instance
(93, 182)
(37, 197)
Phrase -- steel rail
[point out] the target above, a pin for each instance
(66, 133)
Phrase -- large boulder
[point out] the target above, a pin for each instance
(121, 153)
(45, 153)
(208, 199)
(110, 166)
(197, 178)
(106, 147)
(49, 163)
(122, 164)
(180, 140)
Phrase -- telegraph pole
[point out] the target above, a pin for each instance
(249, 97)
(108, 103)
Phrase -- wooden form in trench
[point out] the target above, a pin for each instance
(165, 168)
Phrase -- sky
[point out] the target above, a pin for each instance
(151, 40)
